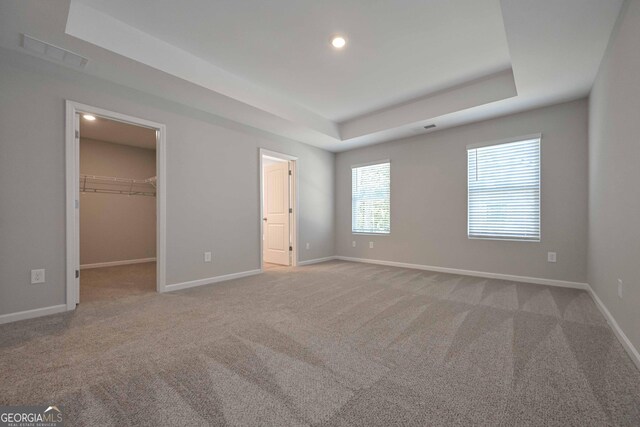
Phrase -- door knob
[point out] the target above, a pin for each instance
(264, 219)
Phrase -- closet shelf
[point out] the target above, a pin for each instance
(116, 185)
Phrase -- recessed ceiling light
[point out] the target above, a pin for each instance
(89, 117)
(338, 42)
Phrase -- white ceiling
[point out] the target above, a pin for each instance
(107, 130)
(268, 65)
(397, 50)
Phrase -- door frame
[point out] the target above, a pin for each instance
(72, 204)
(293, 192)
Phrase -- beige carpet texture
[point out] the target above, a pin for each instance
(332, 344)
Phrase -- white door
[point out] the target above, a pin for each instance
(276, 213)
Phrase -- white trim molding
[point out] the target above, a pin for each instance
(316, 260)
(484, 274)
(30, 314)
(371, 163)
(115, 263)
(622, 337)
(506, 141)
(210, 280)
(72, 171)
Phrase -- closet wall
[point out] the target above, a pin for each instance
(116, 227)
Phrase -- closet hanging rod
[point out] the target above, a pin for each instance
(151, 180)
(117, 185)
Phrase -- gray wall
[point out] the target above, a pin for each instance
(212, 182)
(116, 227)
(614, 175)
(429, 198)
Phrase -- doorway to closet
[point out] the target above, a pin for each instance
(115, 200)
(117, 209)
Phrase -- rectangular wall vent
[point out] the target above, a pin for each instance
(52, 52)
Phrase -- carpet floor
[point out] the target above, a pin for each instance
(110, 284)
(332, 344)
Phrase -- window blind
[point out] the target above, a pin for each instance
(504, 191)
(370, 198)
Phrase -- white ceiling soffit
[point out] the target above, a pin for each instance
(451, 69)
(534, 53)
(96, 27)
(397, 50)
(479, 92)
(557, 46)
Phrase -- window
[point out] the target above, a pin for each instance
(504, 190)
(370, 195)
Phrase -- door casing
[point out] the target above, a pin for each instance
(72, 177)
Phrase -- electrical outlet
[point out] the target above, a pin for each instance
(620, 284)
(37, 276)
(353, 243)
(308, 245)
(370, 245)
(207, 257)
(551, 257)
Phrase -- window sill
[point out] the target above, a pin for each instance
(369, 234)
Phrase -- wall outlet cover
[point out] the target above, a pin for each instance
(207, 257)
(37, 276)
(353, 243)
(370, 245)
(308, 245)
(551, 257)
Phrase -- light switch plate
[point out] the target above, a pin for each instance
(370, 245)
(551, 257)
(353, 243)
(207, 257)
(620, 284)
(308, 245)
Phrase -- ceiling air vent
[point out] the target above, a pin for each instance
(429, 126)
(52, 52)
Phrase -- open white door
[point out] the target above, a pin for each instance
(276, 214)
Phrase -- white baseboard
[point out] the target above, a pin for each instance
(316, 260)
(484, 274)
(626, 343)
(30, 314)
(210, 280)
(114, 263)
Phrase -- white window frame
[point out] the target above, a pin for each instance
(367, 233)
(537, 136)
